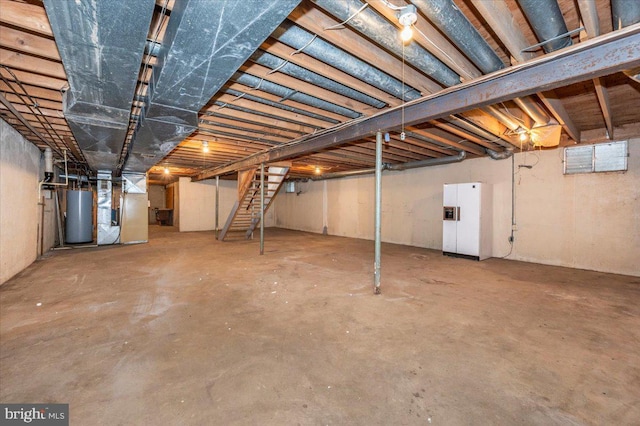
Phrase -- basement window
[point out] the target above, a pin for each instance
(604, 157)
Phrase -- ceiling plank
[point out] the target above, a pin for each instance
(23, 15)
(28, 43)
(30, 63)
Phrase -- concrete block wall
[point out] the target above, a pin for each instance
(20, 214)
(587, 221)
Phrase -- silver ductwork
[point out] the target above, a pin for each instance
(271, 61)
(101, 45)
(452, 22)
(623, 14)
(317, 48)
(378, 29)
(495, 155)
(286, 93)
(282, 106)
(548, 23)
(205, 42)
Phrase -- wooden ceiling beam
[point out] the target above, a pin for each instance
(24, 15)
(30, 63)
(28, 43)
(34, 79)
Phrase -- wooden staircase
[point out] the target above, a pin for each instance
(245, 214)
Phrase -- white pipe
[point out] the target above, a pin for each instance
(66, 174)
(48, 160)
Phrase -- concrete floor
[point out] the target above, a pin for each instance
(188, 330)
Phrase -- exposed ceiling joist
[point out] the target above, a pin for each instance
(594, 58)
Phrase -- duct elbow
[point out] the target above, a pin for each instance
(495, 155)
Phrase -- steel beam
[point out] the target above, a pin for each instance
(378, 214)
(597, 57)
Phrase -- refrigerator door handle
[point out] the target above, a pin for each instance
(458, 214)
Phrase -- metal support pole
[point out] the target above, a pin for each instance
(262, 208)
(378, 208)
(217, 203)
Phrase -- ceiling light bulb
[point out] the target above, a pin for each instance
(407, 16)
(318, 170)
(205, 146)
(524, 136)
(406, 33)
(166, 170)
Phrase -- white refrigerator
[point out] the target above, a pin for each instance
(466, 220)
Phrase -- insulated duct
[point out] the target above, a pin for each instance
(205, 42)
(623, 14)
(101, 45)
(287, 93)
(495, 155)
(455, 25)
(317, 48)
(547, 21)
(452, 22)
(271, 61)
(282, 106)
(378, 29)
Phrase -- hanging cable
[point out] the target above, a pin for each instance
(341, 25)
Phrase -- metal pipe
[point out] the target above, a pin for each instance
(533, 110)
(429, 162)
(262, 209)
(508, 121)
(547, 21)
(286, 93)
(452, 22)
(217, 203)
(268, 60)
(495, 155)
(378, 214)
(378, 29)
(317, 48)
(282, 106)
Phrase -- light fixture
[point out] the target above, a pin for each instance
(166, 170)
(523, 134)
(205, 146)
(318, 170)
(407, 17)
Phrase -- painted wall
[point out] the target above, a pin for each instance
(197, 202)
(20, 213)
(589, 221)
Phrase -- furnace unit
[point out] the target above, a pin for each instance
(466, 220)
